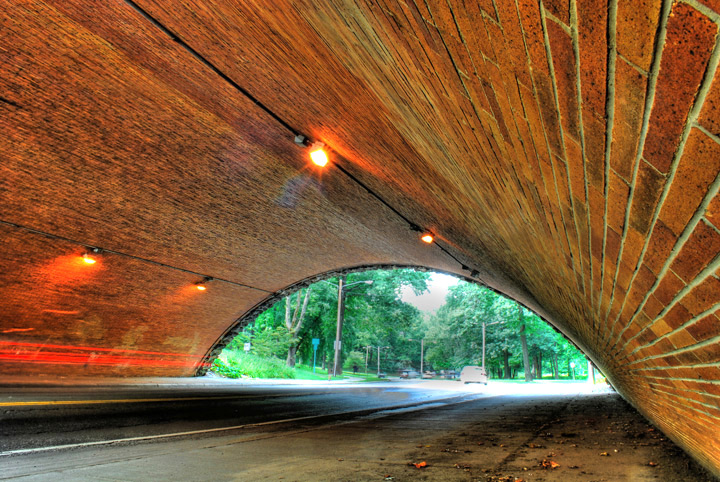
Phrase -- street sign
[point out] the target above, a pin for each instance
(315, 342)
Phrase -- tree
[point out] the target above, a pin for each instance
(294, 320)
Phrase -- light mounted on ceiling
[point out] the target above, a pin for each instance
(425, 236)
(202, 285)
(318, 155)
(89, 256)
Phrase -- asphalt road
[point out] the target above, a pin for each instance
(51, 417)
(439, 431)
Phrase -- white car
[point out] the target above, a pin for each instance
(473, 374)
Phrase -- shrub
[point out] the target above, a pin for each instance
(236, 364)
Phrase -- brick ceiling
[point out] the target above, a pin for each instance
(566, 154)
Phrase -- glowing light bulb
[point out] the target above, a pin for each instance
(428, 238)
(318, 155)
(201, 287)
(88, 259)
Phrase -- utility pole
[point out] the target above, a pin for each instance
(342, 291)
(422, 355)
(378, 371)
(367, 352)
(340, 319)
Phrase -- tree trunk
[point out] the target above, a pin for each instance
(526, 355)
(538, 365)
(556, 369)
(293, 323)
(291, 356)
(506, 362)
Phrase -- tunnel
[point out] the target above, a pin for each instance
(564, 153)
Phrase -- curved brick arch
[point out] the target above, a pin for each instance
(566, 153)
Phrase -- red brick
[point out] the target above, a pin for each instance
(495, 108)
(648, 188)
(706, 328)
(636, 27)
(508, 15)
(532, 26)
(702, 246)
(594, 130)
(690, 40)
(634, 243)
(534, 122)
(546, 100)
(681, 339)
(677, 316)
(698, 168)
(710, 113)
(617, 202)
(612, 248)
(592, 40)
(668, 288)
(708, 354)
(661, 243)
(559, 8)
(703, 296)
(577, 170)
(713, 211)
(630, 88)
(563, 58)
(653, 307)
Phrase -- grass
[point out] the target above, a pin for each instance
(238, 364)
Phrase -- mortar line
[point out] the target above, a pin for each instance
(126, 255)
(705, 273)
(576, 51)
(712, 190)
(683, 367)
(688, 323)
(710, 341)
(610, 108)
(610, 124)
(649, 101)
(551, 68)
(708, 12)
(679, 397)
(531, 142)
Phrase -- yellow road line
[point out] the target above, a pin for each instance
(128, 400)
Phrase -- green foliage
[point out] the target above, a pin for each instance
(354, 358)
(375, 315)
(234, 364)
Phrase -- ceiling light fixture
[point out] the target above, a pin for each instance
(88, 256)
(427, 238)
(318, 155)
(201, 285)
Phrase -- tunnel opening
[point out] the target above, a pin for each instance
(404, 323)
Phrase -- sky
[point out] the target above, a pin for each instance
(431, 300)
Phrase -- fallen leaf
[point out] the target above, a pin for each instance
(604, 454)
(421, 465)
(653, 464)
(340, 460)
(549, 464)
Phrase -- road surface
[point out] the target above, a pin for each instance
(338, 432)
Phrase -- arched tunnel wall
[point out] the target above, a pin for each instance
(564, 152)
